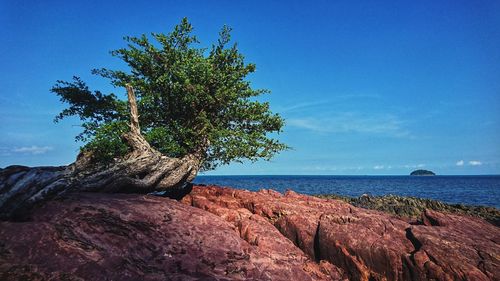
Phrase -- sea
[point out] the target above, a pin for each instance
(468, 190)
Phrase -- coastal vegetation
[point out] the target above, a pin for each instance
(190, 100)
(188, 108)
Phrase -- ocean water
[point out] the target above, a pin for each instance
(470, 190)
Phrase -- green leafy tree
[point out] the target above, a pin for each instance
(187, 109)
(190, 100)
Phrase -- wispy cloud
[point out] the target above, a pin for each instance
(460, 163)
(34, 149)
(398, 166)
(5, 151)
(325, 103)
(412, 166)
(303, 105)
(328, 168)
(386, 124)
(475, 163)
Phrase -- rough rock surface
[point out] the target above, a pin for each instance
(140, 237)
(412, 207)
(367, 244)
(227, 234)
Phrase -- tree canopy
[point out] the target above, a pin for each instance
(190, 100)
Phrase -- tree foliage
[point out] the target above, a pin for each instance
(190, 99)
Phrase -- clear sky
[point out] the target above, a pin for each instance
(366, 87)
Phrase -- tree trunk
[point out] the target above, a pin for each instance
(142, 170)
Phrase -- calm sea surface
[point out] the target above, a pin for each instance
(470, 190)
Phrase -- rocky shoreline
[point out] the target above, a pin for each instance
(217, 233)
(413, 207)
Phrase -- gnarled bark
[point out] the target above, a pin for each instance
(142, 170)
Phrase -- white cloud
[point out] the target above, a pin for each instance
(460, 163)
(411, 166)
(352, 122)
(34, 149)
(332, 168)
(475, 163)
(4, 151)
(378, 167)
(301, 106)
(327, 103)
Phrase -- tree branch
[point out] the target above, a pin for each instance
(134, 115)
(134, 138)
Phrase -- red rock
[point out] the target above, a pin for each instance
(365, 244)
(457, 247)
(228, 234)
(137, 237)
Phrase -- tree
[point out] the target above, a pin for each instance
(189, 109)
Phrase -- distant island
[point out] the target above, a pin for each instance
(422, 173)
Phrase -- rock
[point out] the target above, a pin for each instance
(220, 233)
(141, 237)
(367, 244)
(422, 173)
(412, 207)
(454, 246)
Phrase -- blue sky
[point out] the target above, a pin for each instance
(366, 87)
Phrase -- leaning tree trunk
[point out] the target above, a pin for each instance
(142, 170)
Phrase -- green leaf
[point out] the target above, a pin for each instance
(186, 97)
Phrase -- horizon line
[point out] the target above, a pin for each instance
(437, 175)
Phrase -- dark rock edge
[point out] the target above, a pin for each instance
(412, 208)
